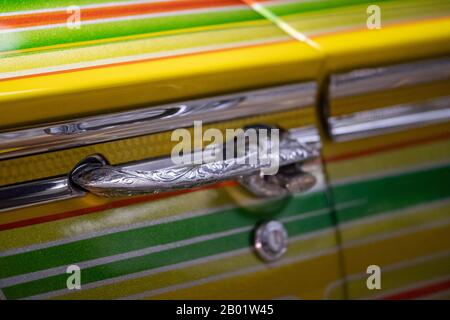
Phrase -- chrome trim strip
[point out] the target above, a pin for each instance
(40, 191)
(378, 79)
(147, 120)
(59, 188)
(391, 119)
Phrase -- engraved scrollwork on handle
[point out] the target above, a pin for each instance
(113, 181)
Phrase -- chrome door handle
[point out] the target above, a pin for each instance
(99, 178)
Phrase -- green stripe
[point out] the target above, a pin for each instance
(392, 12)
(25, 5)
(88, 32)
(62, 35)
(380, 195)
(392, 193)
(160, 259)
(310, 6)
(130, 240)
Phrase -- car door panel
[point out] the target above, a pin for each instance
(385, 112)
(117, 88)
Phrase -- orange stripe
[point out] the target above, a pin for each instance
(395, 146)
(87, 14)
(420, 292)
(111, 205)
(149, 59)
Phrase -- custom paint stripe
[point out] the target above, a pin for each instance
(12, 7)
(335, 151)
(24, 19)
(157, 259)
(108, 261)
(281, 24)
(412, 248)
(304, 246)
(389, 219)
(116, 28)
(400, 161)
(285, 276)
(417, 270)
(14, 238)
(235, 33)
(208, 197)
(275, 8)
(420, 292)
(333, 21)
(282, 280)
(393, 192)
(143, 237)
(138, 59)
(394, 220)
(181, 18)
(419, 184)
(404, 151)
(407, 276)
(103, 12)
(355, 230)
(424, 239)
(110, 55)
(140, 199)
(443, 295)
(335, 16)
(399, 146)
(358, 208)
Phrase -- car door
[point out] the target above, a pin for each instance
(390, 155)
(102, 88)
(385, 107)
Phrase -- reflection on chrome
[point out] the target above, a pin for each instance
(390, 119)
(363, 81)
(116, 181)
(306, 142)
(155, 119)
(41, 191)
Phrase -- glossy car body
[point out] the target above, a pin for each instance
(378, 99)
